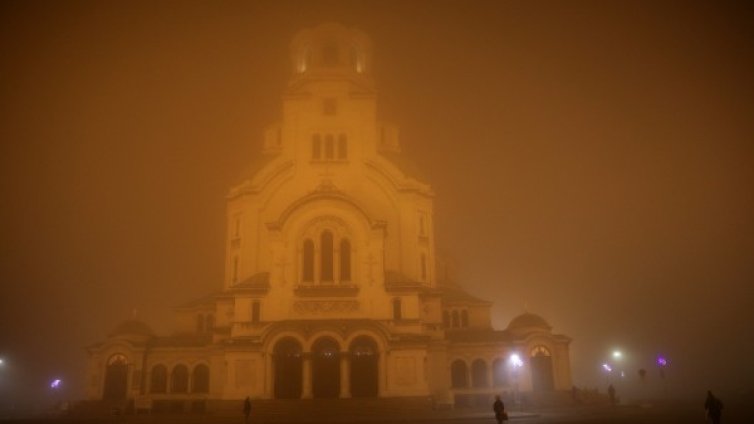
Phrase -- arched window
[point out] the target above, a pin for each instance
(329, 147)
(458, 374)
(345, 260)
(316, 147)
(464, 318)
(158, 379)
(179, 379)
(424, 267)
(342, 146)
(397, 312)
(200, 379)
(540, 351)
(479, 373)
(327, 257)
(446, 318)
(456, 320)
(499, 373)
(209, 324)
(308, 274)
(200, 323)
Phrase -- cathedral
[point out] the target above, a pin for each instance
(333, 286)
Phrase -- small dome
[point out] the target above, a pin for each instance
(528, 320)
(131, 327)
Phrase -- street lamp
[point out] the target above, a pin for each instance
(516, 363)
(608, 370)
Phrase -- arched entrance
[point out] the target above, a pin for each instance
(326, 368)
(287, 368)
(541, 369)
(364, 369)
(459, 374)
(116, 378)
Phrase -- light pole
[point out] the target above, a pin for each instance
(515, 363)
(662, 363)
(608, 370)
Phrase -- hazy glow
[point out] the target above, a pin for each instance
(516, 361)
(55, 384)
(617, 354)
(607, 367)
(661, 361)
(618, 150)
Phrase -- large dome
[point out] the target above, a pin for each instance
(527, 321)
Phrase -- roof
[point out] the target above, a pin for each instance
(405, 165)
(452, 292)
(256, 165)
(528, 320)
(258, 280)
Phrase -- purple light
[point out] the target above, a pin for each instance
(607, 367)
(661, 361)
(55, 384)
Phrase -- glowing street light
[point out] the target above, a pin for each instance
(516, 361)
(617, 354)
(662, 361)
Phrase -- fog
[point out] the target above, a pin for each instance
(592, 163)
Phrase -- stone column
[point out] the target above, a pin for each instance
(345, 375)
(269, 363)
(382, 374)
(306, 389)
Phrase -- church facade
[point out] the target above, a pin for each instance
(333, 286)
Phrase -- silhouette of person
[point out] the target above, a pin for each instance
(246, 409)
(611, 394)
(499, 409)
(713, 407)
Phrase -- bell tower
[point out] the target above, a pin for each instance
(331, 52)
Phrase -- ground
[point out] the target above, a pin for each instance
(668, 414)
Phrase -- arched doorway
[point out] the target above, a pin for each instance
(479, 373)
(541, 369)
(459, 374)
(287, 368)
(116, 378)
(326, 368)
(499, 373)
(364, 369)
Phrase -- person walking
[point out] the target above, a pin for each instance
(713, 408)
(499, 409)
(246, 410)
(611, 394)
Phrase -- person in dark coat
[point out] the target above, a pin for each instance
(499, 409)
(714, 408)
(246, 409)
(611, 394)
